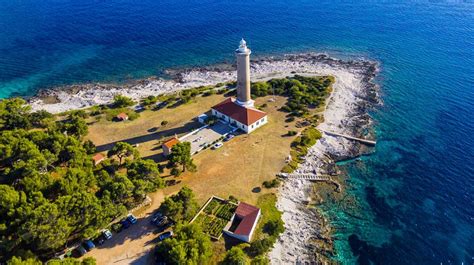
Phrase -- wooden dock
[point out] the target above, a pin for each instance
(361, 140)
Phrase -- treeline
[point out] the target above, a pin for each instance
(51, 191)
(302, 92)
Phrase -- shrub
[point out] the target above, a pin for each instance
(122, 101)
(235, 256)
(292, 133)
(271, 184)
(260, 260)
(209, 92)
(274, 227)
(149, 100)
(164, 123)
(176, 172)
(260, 247)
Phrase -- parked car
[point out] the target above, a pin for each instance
(99, 240)
(165, 226)
(107, 234)
(161, 221)
(79, 251)
(217, 145)
(165, 235)
(117, 227)
(88, 245)
(132, 219)
(156, 216)
(125, 223)
(228, 137)
(139, 108)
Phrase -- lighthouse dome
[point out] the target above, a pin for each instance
(243, 47)
(243, 43)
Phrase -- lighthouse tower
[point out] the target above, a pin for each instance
(243, 75)
(240, 113)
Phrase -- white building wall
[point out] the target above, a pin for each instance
(241, 126)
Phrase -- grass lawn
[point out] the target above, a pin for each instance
(238, 168)
(147, 130)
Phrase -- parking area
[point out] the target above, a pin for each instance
(207, 135)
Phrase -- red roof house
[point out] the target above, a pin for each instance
(168, 144)
(97, 158)
(122, 116)
(245, 118)
(243, 222)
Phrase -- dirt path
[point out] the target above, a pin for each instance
(133, 245)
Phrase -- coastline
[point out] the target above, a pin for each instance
(79, 96)
(306, 231)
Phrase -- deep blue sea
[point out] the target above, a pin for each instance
(413, 196)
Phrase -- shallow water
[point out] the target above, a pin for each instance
(413, 194)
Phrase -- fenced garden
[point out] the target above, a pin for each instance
(214, 216)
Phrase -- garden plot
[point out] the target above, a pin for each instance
(214, 216)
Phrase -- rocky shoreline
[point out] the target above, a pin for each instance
(64, 98)
(307, 238)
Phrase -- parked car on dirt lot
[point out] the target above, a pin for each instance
(161, 221)
(107, 234)
(156, 216)
(217, 145)
(229, 137)
(125, 223)
(88, 245)
(132, 219)
(117, 227)
(165, 226)
(165, 235)
(79, 251)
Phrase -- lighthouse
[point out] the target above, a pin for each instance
(240, 112)
(243, 75)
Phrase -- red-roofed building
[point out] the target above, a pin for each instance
(243, 117)
(243, 222)
(97, 158)
(122, 116)
(168, 144)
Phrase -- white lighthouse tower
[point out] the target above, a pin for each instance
(240, 113)
(243, 75)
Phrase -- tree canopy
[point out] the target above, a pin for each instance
(181, 155)
(235, 256)
(190, 245)
(181, 206)
(51, 191)
(302, 91)
(123, 150)
(122, 101)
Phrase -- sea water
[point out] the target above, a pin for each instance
(412, 198)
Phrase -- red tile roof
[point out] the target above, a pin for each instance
(122, 116)
(248, 213)
(239, 113)
(171, 142)
(98, 157)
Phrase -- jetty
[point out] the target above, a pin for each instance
(361, 140)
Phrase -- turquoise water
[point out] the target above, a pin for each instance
(414, 194)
